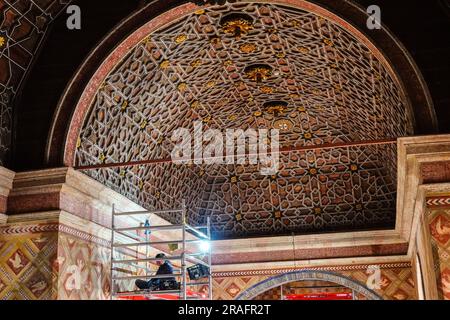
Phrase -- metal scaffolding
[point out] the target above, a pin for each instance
(125, 238)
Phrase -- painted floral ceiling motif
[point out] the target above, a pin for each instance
(334, 90)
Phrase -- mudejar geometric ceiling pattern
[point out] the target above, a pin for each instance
(334, 89)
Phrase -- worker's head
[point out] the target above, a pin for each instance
(160, 256)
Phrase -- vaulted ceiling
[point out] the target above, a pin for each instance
(343, 104)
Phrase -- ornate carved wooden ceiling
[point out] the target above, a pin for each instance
(336, 91)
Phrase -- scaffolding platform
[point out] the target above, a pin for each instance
(135, 247)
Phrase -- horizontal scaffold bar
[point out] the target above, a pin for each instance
(197, 284)
(159, 276)
(198, 232)
(141, 244)
(189, 257)
(162, 227)
(145, 292)
(133, 213)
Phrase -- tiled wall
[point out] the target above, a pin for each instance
(438, 217)
(397, 282)
(28, 262)
(52, 261)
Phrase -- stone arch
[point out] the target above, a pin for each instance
(284, 278)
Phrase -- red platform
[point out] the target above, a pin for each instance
(320, 296)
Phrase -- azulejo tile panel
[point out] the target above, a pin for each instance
(438, 217)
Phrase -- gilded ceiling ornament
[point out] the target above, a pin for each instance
(317, 210)
(238, 217)
(237, 24)
(211, 84)
(257, 114)
(180, 38)
(228, 63)
(307, 136)
(328, 42)
(207, 119)
(2, 41)
(233, 179)
(197, 63)
(182, 87)
(276, 107)
(200, 11)
(201, 173)
(78, 143)
(313, 171)
(303, 50)
(102, 157)
(294, 23)
(301, 109)
(195, 104)
(248, 48)
(143, 124)
(124, 105)
(232, 117)
(141, 185)
(277, 214)
(215, 40)
(258, 72)
(267, 90)
(122, 173)
(165, 64)
(310, 72)
(283, 125)
(353, 167)
(147, 40)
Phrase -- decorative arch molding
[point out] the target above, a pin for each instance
(70, 113)
(279, 280)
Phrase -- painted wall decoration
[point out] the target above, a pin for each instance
(28, 262)
(47, 261)
(438, 217)
(397, 282)
(84, 269)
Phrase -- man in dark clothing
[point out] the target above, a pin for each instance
(165, 267)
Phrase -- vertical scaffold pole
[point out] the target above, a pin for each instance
(183, 254)
(208, 230)
(112, 251)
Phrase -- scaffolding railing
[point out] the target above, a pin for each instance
(137, 244)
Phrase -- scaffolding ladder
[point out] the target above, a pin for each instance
(185, 256)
